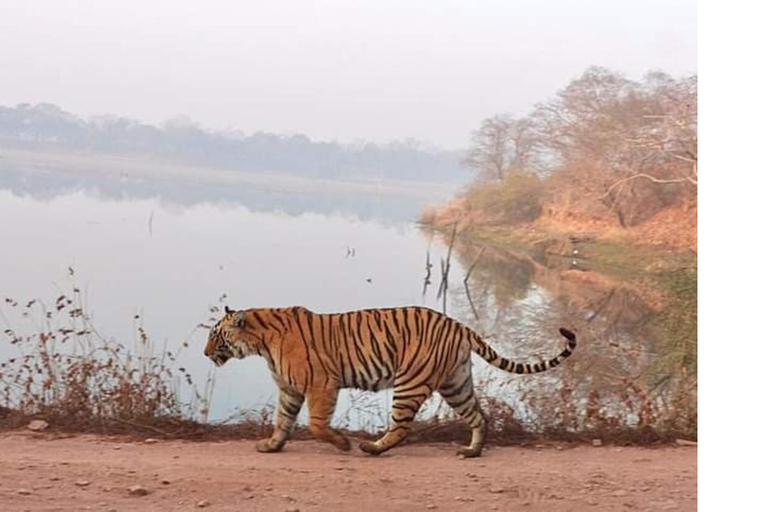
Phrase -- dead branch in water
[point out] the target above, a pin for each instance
(472, 266)
(442, 279)
(427, 282)
(445, 269)
(601, 306)
(466, 283)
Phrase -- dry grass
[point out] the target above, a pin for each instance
(80, 381)
(68, 373)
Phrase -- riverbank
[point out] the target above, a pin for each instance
(604, 273)
(659, 253)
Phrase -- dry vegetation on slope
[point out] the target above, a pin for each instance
(608, 157)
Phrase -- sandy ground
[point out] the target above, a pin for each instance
(46, 472)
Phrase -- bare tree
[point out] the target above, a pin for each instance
(665, 144)
(628, 145)
(502, 144)
(603, 141)
(581, 124)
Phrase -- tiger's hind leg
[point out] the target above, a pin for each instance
(289, 405)
(322, 403)
(459, 392)
(405, 404)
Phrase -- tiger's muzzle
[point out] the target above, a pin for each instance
(220, 355)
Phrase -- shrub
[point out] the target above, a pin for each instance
(517, 198)
(71, 375)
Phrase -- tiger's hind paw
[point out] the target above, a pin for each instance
(268, 446)
(468, 452)
(369, 447)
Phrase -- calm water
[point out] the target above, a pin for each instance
(169, 250)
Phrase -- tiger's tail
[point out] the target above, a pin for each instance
(485, 351)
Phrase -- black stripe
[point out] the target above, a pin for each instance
(310, 317)
(366, 375)
(310, 370)
(404, 419)
(459, 405)
(365, 369)
(451, 393)
(270, 360)
(343, 339)
(259, 320)
(428, 358)
(361, 348)
(349, 338)
(406, 370)
(422, 396)
(396, 321)
(374, 354)
(390, 346)
(291, 410)
(375, 348)
(279, 315)
(419, 321)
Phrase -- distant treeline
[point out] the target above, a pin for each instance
(183, 141)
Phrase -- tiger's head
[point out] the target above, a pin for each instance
(225, 339)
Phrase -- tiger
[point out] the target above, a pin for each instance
(412, 350)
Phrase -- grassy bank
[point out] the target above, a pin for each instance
(664, 278)
(669, 275)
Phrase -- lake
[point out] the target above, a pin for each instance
(167, 250)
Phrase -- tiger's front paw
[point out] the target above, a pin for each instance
(371, 448)
(268, 446)
(342, 443)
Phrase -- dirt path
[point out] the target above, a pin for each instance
(42, 472)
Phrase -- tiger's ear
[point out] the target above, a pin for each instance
(227, 310)
(239, 320)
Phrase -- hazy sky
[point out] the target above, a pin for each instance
(336, 69)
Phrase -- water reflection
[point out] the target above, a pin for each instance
(168, 252)
(520, 302)
(293, 196)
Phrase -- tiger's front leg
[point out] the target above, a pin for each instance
(289, 405)
(322, 402)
